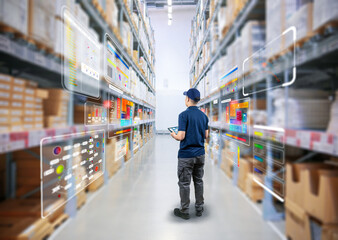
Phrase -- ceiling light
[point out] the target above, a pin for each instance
(169, 2)
(170, 9)
(170, 16)
(169, 22)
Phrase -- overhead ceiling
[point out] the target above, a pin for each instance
(162, 3)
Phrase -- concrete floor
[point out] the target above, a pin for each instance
(138, 202)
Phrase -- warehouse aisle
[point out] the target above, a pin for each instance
(138, 203)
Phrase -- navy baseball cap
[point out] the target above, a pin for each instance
(193, 94)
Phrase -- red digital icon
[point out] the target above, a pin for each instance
(57, 150)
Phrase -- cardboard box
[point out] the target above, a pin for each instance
(245, 168)
(18, 89)
(17, 104)
(55, 108)
(254, 191)
(29, 112)
(5, 103)
(5, 87)
(297, 227)
(15, 96)
(16, 112)
(41, 93)
(38, 113)
(5, 95)
(296, 183)
(29, 105)
(29, 98)
(81, 198)
(5, 111)
(41, 23)
(57, 94)
(19, 82)
(4, 78)
(29, 92)
(96, 183)
(321, 194)
(54, 121)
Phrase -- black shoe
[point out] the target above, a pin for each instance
(199, 213)
(180, 214)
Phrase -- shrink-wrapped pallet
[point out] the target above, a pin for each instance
(14, 14)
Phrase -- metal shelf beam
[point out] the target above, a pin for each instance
(27, 139)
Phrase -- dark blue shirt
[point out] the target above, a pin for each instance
(194, 122)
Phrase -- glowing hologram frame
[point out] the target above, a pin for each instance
(234, 80)
(230, 133)
(268, 190)
(294, 37)
(122, 81)
(87, 114)
(80, 70)
(49, 143)
(270, 146)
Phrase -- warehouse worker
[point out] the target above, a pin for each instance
(192, 130)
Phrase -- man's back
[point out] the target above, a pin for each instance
(194, 122)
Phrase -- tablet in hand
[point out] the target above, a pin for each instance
(173, 129)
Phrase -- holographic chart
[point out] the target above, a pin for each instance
(69, 163)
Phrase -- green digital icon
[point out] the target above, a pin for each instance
(60, 169)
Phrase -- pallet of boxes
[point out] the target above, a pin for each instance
(252, 189)
(311, 201)
(227, 164)
(112, 163)
(56, 108)
(20, 218)
(20, 104)
(80, 171)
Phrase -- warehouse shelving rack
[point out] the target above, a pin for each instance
(250, 11)
(26, 61)
(102, 27)
(308, 61)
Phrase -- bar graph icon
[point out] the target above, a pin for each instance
(95, 114)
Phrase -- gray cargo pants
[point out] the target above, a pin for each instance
(188, 167)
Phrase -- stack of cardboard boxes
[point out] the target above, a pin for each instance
(56, 108)
(112, 164)
(27, 172)
(20, 104)
(311, 197)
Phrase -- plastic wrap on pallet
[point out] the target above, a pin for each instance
(41, 26)
(333, 125)
(222, 20)
(14, 14)
(324, 11)
(112, 13)
(302, 19)
(307, 109)
(253, 39)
